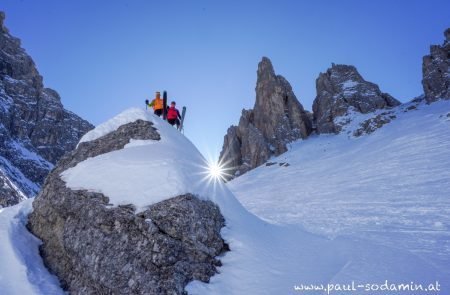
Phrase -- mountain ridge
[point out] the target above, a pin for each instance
(341, 91)
(35, 129)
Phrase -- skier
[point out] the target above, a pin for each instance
(157, 104)
(173, 115)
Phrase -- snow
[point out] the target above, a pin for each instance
(150, 171)
(353, 119)
(273, 257)
(21, 154)
(21, 268)
(349, 84)
(8, 184)
(6, 103)
(390, 187)
(12, 80)
(26, 154)
(113, 124)
(348, 87)
(265, 258)
(15, 178)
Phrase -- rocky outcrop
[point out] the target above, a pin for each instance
(436, 71)
(276, 119)
(35, 129)
(374, 123)
(342, 89)
(95, 248)
(277, 113)
(342, 95)
(9, 195)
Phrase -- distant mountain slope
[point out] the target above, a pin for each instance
(390, 187)
(35, 129)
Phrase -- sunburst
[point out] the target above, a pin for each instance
(216, 171)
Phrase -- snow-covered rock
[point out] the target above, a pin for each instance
(35, 129)
(118, 214)
(436, 71)
(341, 90)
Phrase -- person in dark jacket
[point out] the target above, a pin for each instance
(173, 115)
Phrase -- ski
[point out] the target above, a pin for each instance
(146, 103)
(165, 105)
(183, 114)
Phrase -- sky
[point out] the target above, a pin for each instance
(106, 56)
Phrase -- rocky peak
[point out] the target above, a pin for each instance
(265, 71)
(436, 71)
(276, 119)
(35, 129)
(277, 112)
(342, 89)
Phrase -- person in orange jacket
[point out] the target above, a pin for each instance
(157, 104)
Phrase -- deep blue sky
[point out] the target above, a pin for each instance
(105, 56)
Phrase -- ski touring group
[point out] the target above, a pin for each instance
(169, 113)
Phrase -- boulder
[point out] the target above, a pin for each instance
(96, 248)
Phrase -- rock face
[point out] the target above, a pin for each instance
(342, 93)
(276, 119)
(97, 249)
(436, 71)
(35, 129)
(342, 89)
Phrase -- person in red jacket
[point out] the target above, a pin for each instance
(173, 115)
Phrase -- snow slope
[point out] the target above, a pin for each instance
(391, 187)
(21, 268)
(265, 258)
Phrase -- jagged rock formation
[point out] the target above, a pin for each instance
(97, 249)
(35, 129)
(342, 93)
(436, 71)
(342, 89)
(276, 119)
